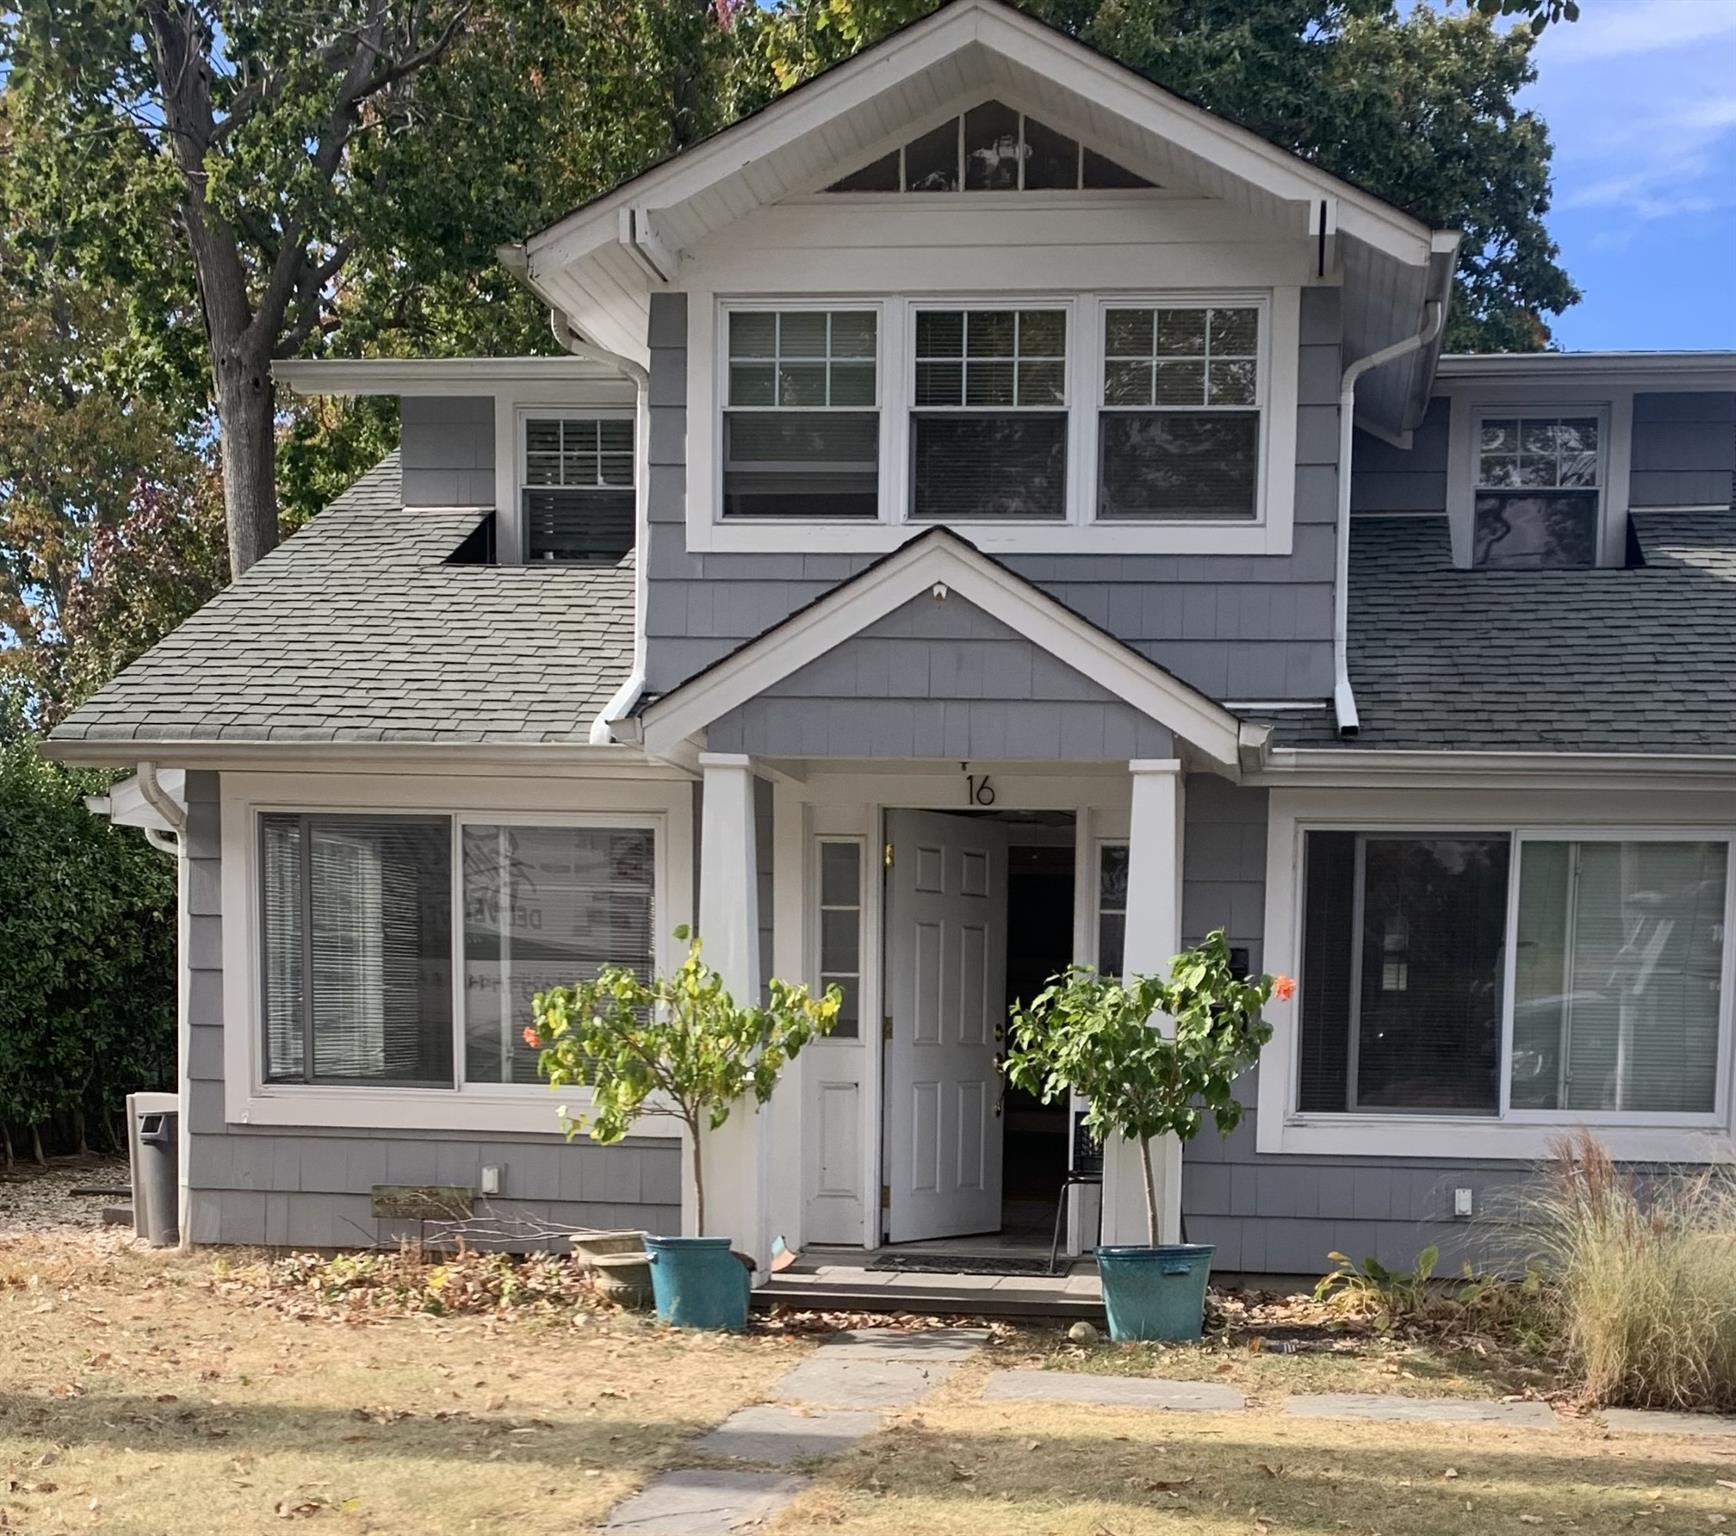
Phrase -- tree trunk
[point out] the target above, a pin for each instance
(78, 1132)
(698, 1187)
(6, 1143)
(246, 406)
(1150, 1190)
(36, 1146)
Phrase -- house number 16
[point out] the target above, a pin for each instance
(978, 789)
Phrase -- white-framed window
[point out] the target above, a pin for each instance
(839, 940)
(383, 939)
(1005, 417)
(575, 484)
(1517, 975)
(991, 148)
(801, 412)
(1111, 907)
(989, 413)
(1538, 485)
(1179, 430)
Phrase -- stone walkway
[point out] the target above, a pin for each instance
(825, 1404)
(842, 1392)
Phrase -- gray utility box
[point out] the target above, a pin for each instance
(154, 1148)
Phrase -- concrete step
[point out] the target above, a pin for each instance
(1007, 1299)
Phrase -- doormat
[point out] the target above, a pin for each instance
(958, 1264)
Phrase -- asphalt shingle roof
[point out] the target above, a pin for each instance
(1640, 660)
(360, 628)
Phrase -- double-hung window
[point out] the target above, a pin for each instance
(1517, 974)
(576, 488)
(1178, 436)
(801, 420)
(1538, 490)
(988, 431)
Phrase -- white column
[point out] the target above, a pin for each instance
(1153, 938)
(734, 1156)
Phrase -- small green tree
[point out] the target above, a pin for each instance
(1093, 1035)
(678, 1045)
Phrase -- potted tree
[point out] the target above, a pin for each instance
(1096, 1036)
(681, 1046)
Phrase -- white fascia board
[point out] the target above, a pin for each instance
(434, 376)
(1657, 370)
(530, 759)
(1351, 767)
(993, 25)
(929, 561)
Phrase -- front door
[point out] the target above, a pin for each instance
(946, 989)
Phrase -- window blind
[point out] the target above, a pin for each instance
(578, 488)
(358, 951)
(545, 907)
(1618, 976)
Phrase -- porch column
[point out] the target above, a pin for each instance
(1153, 937)
(735, 1165)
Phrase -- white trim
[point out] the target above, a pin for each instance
(1597, 815)
(1614, 408)
(435, 376)
(1269, 532)
(1365, 767)
(665, 805)
(1648, 370)
(942, 561)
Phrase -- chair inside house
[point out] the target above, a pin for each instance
(1086, 1173)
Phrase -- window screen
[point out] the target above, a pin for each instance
(989, 432)
(1179, 433)
(801, 427)
(545, 907)
(841, 932)
(357, 939)
(1618, 976)
(1402, 1009)
(578, 488)
(1538, 492)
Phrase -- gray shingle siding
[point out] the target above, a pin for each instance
(939, 680)
(1684, 450)
(310, 1187)
(446, 450)
(1234, 627)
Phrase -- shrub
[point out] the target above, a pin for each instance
(1643, 1278)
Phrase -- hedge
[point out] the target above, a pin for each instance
(87, 959)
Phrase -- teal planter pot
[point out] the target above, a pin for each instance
(1155, 1293)
(696, 1282)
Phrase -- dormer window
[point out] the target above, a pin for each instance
(1538, 490)
(576, 487)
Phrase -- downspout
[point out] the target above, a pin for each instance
(514, 259)
(1343, 700)
(161, 801)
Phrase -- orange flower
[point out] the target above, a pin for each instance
(1284, 988)
(534, 1040)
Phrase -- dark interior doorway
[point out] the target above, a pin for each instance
(1039, 944)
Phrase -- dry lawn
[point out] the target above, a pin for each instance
(958, 1466)
(136, 1398)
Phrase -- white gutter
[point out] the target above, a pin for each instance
(162, 802)
(1343, 700)
(515, 259)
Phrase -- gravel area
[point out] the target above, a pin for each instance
(42, 1200)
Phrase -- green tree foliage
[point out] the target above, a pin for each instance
(678, 1045)
(87, 953)
(1419, 109)
(1094, 1036)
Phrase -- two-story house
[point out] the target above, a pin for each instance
(992, 513)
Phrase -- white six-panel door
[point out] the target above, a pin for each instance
(946, 950)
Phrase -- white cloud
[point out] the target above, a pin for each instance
(1626, 28)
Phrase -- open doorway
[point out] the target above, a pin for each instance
(979, 914)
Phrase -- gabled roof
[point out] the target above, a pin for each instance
(601, 262)
(939, 563)
(361, 628)
(1638, 661)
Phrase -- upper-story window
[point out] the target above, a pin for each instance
(1538, 490)
(988, 435)
(801, 420)
(576, 486)
(1179, 432)
(991, 148)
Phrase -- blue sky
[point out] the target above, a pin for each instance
(1640, 98)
